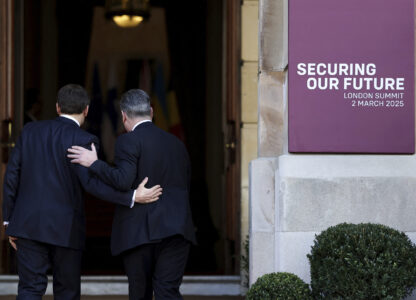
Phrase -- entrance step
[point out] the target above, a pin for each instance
(116, 288)
(126, 298)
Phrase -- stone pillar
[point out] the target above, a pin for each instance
(262, 217)
(272, 140)
(249, 76)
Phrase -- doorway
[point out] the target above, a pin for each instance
(186, 56)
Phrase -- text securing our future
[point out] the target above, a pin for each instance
(357, 76)
(357, 80)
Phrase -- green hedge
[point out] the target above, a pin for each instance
(279, 286)
(364, 261)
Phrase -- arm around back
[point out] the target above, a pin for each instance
(123, 174)
(100, 189)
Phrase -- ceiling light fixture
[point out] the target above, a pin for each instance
(127, 13)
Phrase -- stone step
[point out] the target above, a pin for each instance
(126, 298)
(116, 287)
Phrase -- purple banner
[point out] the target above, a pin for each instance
(351, 76)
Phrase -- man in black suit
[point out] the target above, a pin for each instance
(153, 239)
(43, 206)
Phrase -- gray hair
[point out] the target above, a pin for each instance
(135, 103)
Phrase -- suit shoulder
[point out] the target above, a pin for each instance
(128, 141)
(174, 140)
(168, 136)
(35, 124)
(126, 138)
(30, 127)
(86, 136)
(80, 135)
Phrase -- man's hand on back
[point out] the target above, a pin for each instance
(86, 158)
(145, 195)
(12, 241)
(83, 156)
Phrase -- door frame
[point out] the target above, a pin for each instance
(232, 130)
(6, 58)
(11, 100)
(6, 103)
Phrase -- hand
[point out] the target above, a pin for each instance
(145, 195)
(12, 241)
(83, 156)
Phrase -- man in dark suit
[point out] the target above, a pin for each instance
(43, 206)
(153, 239)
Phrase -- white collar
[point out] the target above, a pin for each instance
(71, 118)
(141, 122)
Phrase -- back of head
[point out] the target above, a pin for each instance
(135, 103)
(72, 99)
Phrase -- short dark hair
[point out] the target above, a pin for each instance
(135, 103)
(72, 99)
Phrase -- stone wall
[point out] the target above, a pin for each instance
(293, 197)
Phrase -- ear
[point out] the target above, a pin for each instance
(85, 112)
(58, 109)
(124, 116)
(151, 112)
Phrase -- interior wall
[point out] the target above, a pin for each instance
(110, 43)
(49, 58)
(186, 25)
(51, 61)
(74, 20)
(32, 38)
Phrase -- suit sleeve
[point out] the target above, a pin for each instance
(11, 180)
(100, 189)
(123, 174)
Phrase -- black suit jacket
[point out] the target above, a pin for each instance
(42, 191)
(149, 152)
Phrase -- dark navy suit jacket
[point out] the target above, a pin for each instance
(149, 152)
(42, 191)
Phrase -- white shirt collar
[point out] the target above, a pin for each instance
(141, 122)
(71, 118)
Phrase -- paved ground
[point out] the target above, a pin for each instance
(126, 298)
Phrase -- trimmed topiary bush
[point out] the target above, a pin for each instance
(364, 261)
(279, 286)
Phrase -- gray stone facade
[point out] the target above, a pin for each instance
(293, 197)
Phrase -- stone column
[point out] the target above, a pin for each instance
(271, 135)
(249, 77)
